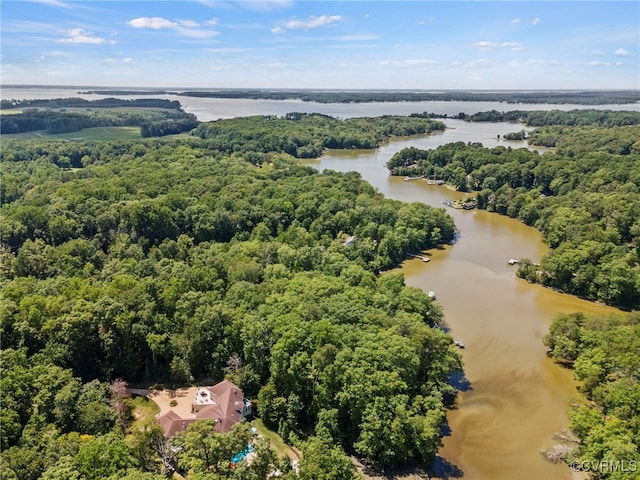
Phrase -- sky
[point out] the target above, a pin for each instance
(416, 45)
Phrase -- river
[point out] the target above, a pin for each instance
(207, 109)
(518, 398)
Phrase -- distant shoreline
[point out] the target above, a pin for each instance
(559, 97)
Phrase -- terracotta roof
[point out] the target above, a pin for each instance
(227, 402)
(172, 423)
(230, 399)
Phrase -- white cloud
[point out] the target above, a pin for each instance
(52, 3)
(514, 46)
(189, 23)
(56, 54)
(113, 60)
(621, 52)
(187, 28)
(151, 22)
(598, 53)
(311, 22)
(409, 63)
(536, 21)
(597, 63)
(213, 21)
(516, 20)
(619, 64)
(485, 46)
(533, 62)
(79, 35)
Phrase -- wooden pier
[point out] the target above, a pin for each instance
(421, 257)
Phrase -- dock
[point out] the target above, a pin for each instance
(421, 257)
(515, 261)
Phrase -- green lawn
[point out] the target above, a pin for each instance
(277, 444)
(102, 133)
(96, 133)
(143, 409)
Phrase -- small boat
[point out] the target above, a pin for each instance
(431, 295)
(459, 343)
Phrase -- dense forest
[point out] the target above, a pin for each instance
(586, 97)
(541, 118)
(305, 135)
(155, 261)
(554, 97)
(6, 104)
(605, 355)
(156, 118)
(584, 197)
(219, 256)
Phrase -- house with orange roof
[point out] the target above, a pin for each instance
(224, 403)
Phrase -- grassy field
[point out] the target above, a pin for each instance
(96, 133)
(143, 407)
(102, 133)
(277, 444)
(13, 111)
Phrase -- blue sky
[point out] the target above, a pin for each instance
(322, 44)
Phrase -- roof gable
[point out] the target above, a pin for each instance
(223, 402)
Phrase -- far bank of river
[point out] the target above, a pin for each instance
(517, 397)
(207, 109)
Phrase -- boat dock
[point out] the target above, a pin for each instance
(515, 261)
(421, 257)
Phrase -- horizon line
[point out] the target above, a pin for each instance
(311, 89)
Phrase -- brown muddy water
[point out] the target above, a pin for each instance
(517, 398)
